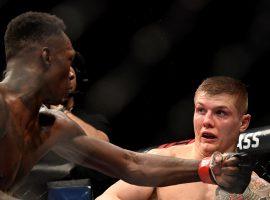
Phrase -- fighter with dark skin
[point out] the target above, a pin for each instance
(39, 56)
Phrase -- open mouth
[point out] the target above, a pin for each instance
(209, 136)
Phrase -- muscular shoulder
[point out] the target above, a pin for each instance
(174, 151)
(3, 115)
(2, 102)
(162, 152)
(58, 123)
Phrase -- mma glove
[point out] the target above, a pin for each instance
(230, 171)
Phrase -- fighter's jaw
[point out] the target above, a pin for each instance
(55, 100)
(207, 149)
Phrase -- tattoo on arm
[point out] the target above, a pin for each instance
(258, 189)
(259, 186)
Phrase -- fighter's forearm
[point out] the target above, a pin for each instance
(154, 170)
(135, 168)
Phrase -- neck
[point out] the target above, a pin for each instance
(22, 85)
(199, 153)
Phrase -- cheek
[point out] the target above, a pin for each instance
(63, 80)
(65, 76)
(229, 130)
(65, 83)
(197, 122)
(230, 124)
(197, 119)
(73, 83)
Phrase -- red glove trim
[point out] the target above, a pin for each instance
(204, 170)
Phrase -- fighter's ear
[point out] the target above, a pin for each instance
(46, 56)
(244, 123)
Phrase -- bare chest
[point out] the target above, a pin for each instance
(191, 191)
(19, 151)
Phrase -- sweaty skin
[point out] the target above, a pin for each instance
(32, 74)
(29, 134)
(53, 130)
(258, 188)
(216, 124)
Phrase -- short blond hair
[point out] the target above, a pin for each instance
(226, 85)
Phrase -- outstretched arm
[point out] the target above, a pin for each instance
(137, 168)
(124, 191)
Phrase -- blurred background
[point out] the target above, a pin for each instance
(141, 62)
(144, 59)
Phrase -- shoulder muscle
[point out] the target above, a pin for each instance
(3, 116)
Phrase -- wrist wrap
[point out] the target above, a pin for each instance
(204, 170)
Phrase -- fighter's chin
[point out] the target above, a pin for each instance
(207, 149)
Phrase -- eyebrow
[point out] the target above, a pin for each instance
(222, 107)
(218, 107)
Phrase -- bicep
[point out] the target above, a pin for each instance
(125, 191)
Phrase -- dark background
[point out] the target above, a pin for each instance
(144, 59)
